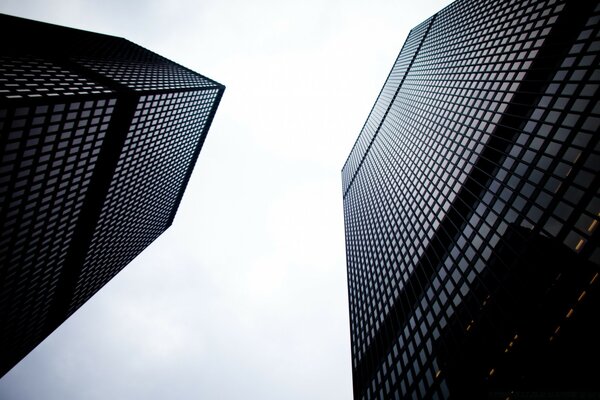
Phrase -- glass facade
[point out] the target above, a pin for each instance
(480, 152)
(98, 137)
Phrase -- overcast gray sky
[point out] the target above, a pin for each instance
(245, 296)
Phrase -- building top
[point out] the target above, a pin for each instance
(78, 62)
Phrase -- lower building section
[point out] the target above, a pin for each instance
(528, 327)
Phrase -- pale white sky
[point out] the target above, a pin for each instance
(245, 296)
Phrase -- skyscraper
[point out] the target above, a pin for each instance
(98, 138)
(471, 207)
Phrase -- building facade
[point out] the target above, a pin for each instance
(471, 207)
(98, 138)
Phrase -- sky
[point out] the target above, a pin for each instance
(245, 295)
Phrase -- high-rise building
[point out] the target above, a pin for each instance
(471, 207)
(98, 138)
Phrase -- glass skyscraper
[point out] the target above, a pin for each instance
(471, 207)
(98, 138)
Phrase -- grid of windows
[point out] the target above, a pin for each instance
(434, 132)
(387, 95)
(139, 69)
(98, 137)
(164, 135)
(142, 76)
(414, 203)
(133, 66)
(31, 77)
(48, 155)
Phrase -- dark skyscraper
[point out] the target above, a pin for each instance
(98, 138)
(471, 205)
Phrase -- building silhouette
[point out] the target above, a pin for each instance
(98, 138)
(471, 207)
